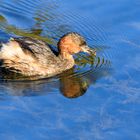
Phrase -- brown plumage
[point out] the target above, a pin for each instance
(31, 57)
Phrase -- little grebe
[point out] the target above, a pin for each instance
(30, 57)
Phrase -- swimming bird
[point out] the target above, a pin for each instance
(31, 57)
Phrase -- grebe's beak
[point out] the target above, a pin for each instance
(88, 50)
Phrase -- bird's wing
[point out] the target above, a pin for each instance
(38, 49)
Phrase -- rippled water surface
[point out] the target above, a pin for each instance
(97, 99)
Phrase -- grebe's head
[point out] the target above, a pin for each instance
(72, 43)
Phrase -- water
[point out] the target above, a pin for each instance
(88, 102)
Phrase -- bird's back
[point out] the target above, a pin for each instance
(39, 49)
(27, 56)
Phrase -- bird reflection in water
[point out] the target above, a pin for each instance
(73, 86)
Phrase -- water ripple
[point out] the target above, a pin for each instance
(49, 23)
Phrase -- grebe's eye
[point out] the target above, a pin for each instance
(83, 43)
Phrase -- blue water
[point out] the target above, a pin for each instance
(107, 107)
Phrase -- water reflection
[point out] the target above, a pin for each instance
(34, 32)
(73, 86)
(67, 84)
